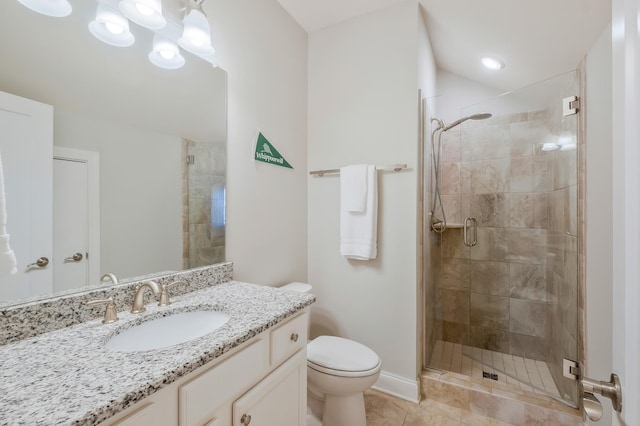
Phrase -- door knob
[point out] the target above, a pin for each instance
(611, 389)
(77, 257)
(40, 263)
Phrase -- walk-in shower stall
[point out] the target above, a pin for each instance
(501, 236)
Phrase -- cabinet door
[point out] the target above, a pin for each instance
(280, 399)
(208, 397)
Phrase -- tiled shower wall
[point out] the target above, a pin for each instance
(515, 291)
(493, 295)
(203, 195)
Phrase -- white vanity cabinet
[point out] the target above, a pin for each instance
(264, 380)
(276, 401)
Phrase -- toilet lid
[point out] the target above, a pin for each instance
(341, 354)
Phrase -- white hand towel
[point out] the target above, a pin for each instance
(359, 230)
(353, 183)
(7, 257)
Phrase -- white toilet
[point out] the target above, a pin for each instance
(339, 371)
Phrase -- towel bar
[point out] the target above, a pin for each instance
(394, 167)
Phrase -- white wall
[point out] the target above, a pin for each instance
(458, 96)
(426, 60)
(265, 55)
(140, 192)
(363, 102)
(599, 211)
(455, 92)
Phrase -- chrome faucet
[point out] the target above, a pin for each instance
(138, 300)
(110, 276)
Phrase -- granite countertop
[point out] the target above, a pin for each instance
(68, 377)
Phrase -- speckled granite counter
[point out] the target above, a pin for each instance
(67, 377)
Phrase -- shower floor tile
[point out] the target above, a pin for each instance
(512, 371)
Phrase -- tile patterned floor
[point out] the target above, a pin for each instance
(522, 373)
(385, 410)
(454, 399)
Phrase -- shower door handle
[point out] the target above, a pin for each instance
(474, 223)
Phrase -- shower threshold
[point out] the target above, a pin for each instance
(525, 374)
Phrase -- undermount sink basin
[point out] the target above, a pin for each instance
(167, 331)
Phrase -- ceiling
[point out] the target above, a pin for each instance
(537, 39)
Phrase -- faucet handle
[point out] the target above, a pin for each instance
(110, 314)
(164, 295)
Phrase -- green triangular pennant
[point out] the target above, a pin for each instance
(266, 153)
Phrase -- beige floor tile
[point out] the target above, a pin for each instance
(456, 358)
(385, 410)
(488, 405)
(436, 357)
(433, 413)
(473, 419)
(537, 416)
(447, 354)
(446, 393)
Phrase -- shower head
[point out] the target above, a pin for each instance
(482, 116)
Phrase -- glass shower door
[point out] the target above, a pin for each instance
(510, 302)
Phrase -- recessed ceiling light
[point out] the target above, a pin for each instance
(492, 63)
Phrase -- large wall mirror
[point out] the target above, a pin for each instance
(158, 138)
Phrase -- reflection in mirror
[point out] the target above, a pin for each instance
(130, 127)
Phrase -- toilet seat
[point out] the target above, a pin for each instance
(341, 357)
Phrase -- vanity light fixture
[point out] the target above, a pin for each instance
(166, 54)
(111, 27)
(196, 36)
(549, 146)
(55, 8)
(147, 13)
(492, 63)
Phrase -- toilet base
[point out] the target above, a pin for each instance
(315, 404)
(312, 418)
(344, 410)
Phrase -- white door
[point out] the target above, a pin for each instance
(26, 145)
(626, 206)
(70, 224)
(76, 224)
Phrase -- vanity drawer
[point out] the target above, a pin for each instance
(288, 338)
(200, 398)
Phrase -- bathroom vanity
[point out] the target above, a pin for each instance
(264, 380)
(250, 370)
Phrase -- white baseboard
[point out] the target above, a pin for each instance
(398, 386)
